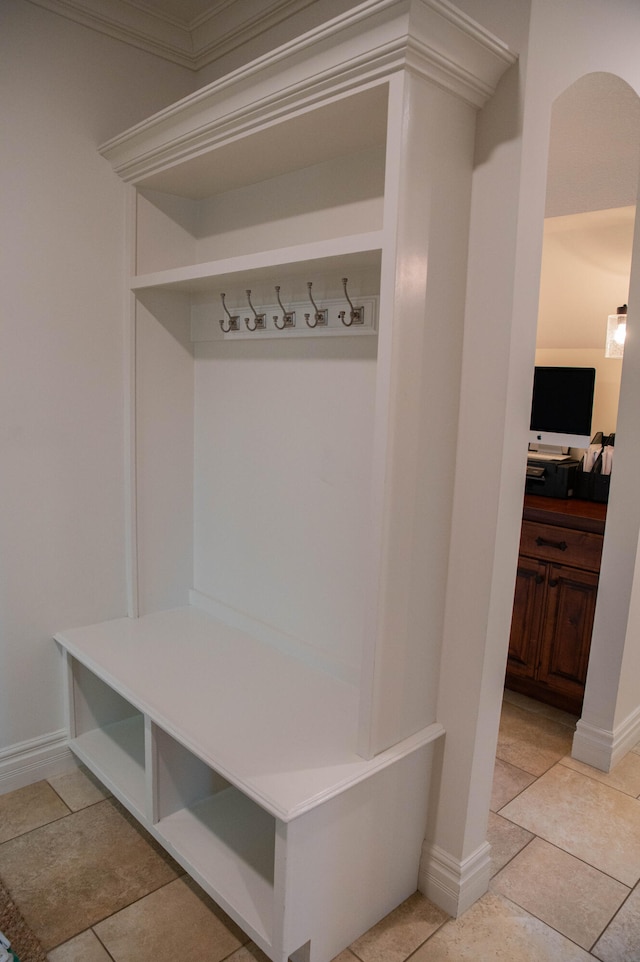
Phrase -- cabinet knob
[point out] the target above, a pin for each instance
(553, 582)
(539, 579)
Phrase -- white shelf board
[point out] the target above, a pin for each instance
(339, 256)
(282, 732)
(246, 150)
(228, 842)
(115, 754)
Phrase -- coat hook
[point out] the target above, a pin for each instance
(234, 320)
(321, 316)
(260, 321)
(288, 317)
(356, 314)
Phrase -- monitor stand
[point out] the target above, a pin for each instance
(548, 452)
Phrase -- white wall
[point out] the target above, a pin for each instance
(298, 406)
(65, 89)
(485, 525)
(586, 262)
(565, 41)
(568, 41)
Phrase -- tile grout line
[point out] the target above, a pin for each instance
(615, 914)
(405, 958)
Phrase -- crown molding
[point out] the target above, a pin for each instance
(363, 46)
(135, 25)
(225, 26)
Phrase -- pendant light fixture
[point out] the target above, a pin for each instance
(616, 333)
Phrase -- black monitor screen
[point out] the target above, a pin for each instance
(563, 399)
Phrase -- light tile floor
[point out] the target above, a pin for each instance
(565, 887)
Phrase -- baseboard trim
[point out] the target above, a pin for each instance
(451, 884)
(30, 761)
(603, 749)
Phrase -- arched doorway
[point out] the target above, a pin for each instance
(593, 160)
(592, 187)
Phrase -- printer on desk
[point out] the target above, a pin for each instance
(557, 475)
(552, 477)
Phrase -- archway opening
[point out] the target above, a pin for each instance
(592, 185)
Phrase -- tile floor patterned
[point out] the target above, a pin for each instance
(565, 863)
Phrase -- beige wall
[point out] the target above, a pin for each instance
(585, 269)
(64, 90)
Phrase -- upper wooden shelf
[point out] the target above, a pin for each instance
(302, 140)
(343, 254)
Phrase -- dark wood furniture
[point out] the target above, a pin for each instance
(555, 599)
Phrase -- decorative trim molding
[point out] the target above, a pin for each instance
(451, 884)
(366, 44)
(224, 27)
(134, 25)
(30, 761)
(214, 36)
(602, 749)
(193, 44)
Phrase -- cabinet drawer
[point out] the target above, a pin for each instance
(582, 549)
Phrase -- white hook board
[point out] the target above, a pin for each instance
(205, 319)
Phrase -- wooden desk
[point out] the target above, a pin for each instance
(555, 599)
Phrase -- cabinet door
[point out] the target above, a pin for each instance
(566, 639)
(528, 603)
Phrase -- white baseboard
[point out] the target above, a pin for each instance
(603, 749)
(30, 761)
(451, 884)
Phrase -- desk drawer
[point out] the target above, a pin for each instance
(582, 549)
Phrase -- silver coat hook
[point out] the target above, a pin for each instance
(260, 320)
(288, 317)
(321, 316)
(356, 314)
(234, 319)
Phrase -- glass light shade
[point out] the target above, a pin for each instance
(616, 333)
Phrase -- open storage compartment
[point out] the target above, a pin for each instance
(108, 733)
(225, 840)
(315, 175)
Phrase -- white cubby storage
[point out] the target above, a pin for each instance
(109, 732)
(268, 707)
(256, 793)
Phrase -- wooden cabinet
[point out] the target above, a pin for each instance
(268, 707)
(555, 598)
